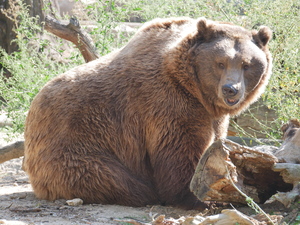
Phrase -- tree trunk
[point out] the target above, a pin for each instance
(36, 9)
(6, 29)
(7, 26)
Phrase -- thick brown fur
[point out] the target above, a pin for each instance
(130, 127)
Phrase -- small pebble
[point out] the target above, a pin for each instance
(75, 202)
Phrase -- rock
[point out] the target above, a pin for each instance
(75, 202)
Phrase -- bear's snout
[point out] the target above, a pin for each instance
(229, 90)
(230, 94)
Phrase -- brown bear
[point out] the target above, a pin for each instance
(130, 127)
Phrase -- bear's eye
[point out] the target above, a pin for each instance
(245, 67)
(221, 66)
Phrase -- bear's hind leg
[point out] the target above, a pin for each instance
(116, 184)
(101, 180)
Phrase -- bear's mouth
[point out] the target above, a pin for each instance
(231, 102)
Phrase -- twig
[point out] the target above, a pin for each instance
(249, 200)
(25, 210)
(131, 221)
(9, 206)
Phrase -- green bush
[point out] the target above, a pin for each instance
(31, 67)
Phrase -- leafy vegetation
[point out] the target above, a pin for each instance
(33, 64)
(25, 71)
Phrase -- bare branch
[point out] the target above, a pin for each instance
(73, 32)
(12, 151)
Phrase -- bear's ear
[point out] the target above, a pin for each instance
(264, 35)
(204, 27)
(201, 24)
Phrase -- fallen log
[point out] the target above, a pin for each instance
(227, 168)
(289, 151)
(250, 170)
(290, 172)
(12, 151)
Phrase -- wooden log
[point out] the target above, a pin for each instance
(290, 172)
(289, 151)
(250, 170)
(12, 151)
(73, 32)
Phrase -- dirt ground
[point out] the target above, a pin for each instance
(18, 205)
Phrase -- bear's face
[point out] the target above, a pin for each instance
(231, 62)
(232, 69)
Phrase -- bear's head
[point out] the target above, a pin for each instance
(233, 65)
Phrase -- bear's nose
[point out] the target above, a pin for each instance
(228, 90)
